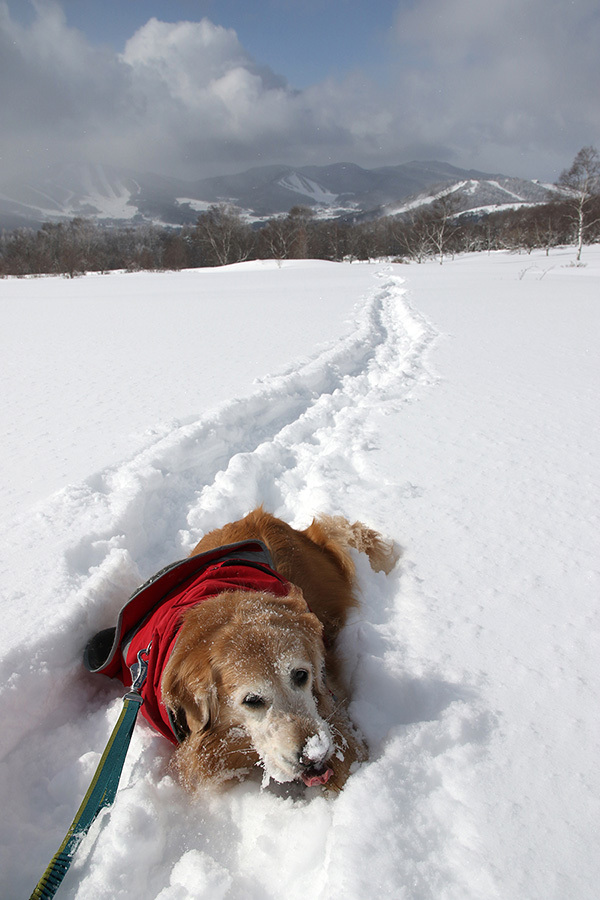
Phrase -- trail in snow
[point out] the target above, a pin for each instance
(94, 393)
(474, 665)
(296, 445)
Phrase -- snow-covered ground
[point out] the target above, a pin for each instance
(455, 409)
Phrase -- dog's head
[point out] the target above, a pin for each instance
(255, 662)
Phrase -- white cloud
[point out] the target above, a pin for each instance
(199, 77)
(195, 82)
(59, 95)
(501, 85)
(503, 81)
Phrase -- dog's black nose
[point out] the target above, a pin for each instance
(314, 773)
(307, 763)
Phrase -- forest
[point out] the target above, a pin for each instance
(221, 236)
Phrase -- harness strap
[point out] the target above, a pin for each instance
(103, 788)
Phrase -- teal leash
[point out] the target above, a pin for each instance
(103, 788)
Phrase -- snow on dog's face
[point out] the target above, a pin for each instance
(254, 663)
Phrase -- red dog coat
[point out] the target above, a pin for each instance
(152, 617)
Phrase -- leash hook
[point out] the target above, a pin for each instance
(139, 672)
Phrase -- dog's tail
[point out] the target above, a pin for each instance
(339, 535)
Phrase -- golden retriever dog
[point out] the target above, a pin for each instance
(253, 679)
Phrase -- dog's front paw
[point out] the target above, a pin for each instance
(214, 758)
(350, 750)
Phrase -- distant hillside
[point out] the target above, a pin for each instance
(108, 194)
(482, 194)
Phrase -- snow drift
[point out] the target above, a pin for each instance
(452, 408)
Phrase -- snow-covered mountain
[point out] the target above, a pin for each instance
(105, 193)
(102, 193)
(483, 194)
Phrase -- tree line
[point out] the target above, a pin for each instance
(221, 236)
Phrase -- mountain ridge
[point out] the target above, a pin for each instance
(107, 194)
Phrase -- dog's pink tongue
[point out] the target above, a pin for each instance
(311, 777)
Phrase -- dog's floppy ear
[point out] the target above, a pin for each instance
(188, 686)
(189, 693)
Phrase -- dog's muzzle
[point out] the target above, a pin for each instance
(314, 769)
(313, 775)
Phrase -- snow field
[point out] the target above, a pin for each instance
(455, 413)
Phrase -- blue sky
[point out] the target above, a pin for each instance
(202, 87)
(307, 41)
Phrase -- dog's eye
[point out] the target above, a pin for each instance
(253, 701)
(299, 677)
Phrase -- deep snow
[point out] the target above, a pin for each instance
(455, 409)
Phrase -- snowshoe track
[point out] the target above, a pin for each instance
(282, 447)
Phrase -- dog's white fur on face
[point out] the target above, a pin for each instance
(250, 679)
(278, 709)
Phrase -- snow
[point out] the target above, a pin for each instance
(113, 205)
(196, 205)
(500, 187)
(88, 190)
(452, 407)
(317, 746)
(468, 187)
(299, 184)
(294, 182)
(494, 207)
(107, 198)
(96, 367)
(428, 199)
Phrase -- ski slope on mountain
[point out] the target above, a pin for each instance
(454, 409)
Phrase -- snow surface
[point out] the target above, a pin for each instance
(429, 199)
(452, 407)
(494, 207)
(89, 189)
(468, 187)
(196, 205)
(299, 184)
(107, 197)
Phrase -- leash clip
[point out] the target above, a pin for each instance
(139, 672)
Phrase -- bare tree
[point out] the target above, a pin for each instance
(545, 226)
(439, 221)
(276, 239)
(301, 218)
(287, 237)
(223, 235)
(328, 239)
(582, 182)
(416, 238)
